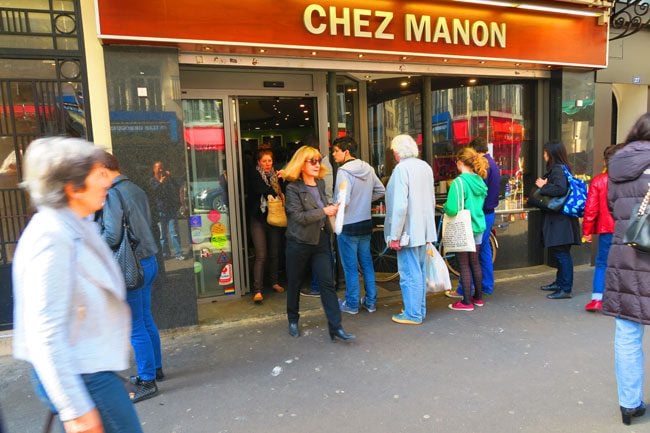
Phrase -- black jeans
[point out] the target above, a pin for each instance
(299, 259)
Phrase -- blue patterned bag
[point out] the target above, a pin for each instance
(574, 206)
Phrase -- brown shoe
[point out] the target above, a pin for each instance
(278, 288)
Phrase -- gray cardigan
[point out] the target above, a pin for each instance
(70, 314)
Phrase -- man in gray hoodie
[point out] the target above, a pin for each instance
(361, 186)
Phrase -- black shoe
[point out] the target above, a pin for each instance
(293, 329)
(550, 287)
(160, 376)
(143, 390)
(341, 335)
(627, 414)
(559, 294)
(310, 293)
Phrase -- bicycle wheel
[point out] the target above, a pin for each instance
(495, 246)
(451, 261)
(384, 259)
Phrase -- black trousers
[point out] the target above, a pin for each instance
(300, 259)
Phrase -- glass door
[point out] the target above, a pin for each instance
(211, 214)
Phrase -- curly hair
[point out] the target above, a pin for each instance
(470, 158)
(293, 169)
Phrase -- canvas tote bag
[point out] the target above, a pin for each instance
(457, 234)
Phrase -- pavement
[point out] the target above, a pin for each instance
(522, 363)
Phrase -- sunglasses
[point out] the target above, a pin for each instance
(314, 161)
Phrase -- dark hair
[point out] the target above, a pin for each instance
(346, 143)
(110, 162)
(641, 130)
(311, 140)
(557, 154)
(611, 150)
(263, 152)
(479, 145)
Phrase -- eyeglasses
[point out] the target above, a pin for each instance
(314, 161)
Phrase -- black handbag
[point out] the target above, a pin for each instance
(637, 234)
(546, 202)
(125, 253)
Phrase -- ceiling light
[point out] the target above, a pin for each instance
(262, 50)
(404, 83)
(306, 118)
(302, 105)
(517, 64)
(404, 57)
(313, 53)
(257, 127)
(367, 77)
(445, 60)
(482, 62)
(472, 80)
(360, 55)
(206, 48)
(305, 111)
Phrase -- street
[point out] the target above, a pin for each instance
(522, 363)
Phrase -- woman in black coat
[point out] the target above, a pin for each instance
(627, 280)
(559, 231)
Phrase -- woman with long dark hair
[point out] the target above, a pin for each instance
(559, 231)
(627, 280)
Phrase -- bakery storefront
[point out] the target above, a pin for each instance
(201, 86)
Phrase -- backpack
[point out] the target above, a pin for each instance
(574, 206)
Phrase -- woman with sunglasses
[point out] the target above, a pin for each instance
(308, 238)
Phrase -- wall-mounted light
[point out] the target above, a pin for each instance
(536, 7)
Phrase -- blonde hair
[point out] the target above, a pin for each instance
(471, 159)
(293, 170)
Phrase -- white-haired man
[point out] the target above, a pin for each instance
(410, 224)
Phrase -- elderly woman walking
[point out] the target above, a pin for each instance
(72, 322)
(410, 224)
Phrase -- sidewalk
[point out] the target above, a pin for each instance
(522, 363)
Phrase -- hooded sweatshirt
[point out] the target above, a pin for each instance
(363, 187)
(475, 191)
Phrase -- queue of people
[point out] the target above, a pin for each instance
(67, 261)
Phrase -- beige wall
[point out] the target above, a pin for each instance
(97, 92)
(632, 103)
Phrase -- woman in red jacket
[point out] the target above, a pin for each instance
(598, 220)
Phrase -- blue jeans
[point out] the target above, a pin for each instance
(144, 333)
(355, 249)
(604, 243)
(169, 231)
(628, 354)
(412, 281)
(564, 274)
(108, 393)
(485, 258)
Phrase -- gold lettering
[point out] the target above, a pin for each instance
(307, 18)
(461, 31)
(412, 26)
(336, 21)
(482, 41)
(387, 18)
(442, 31)
(361, 22)
(498, 34)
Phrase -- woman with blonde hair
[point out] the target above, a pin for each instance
(308, 238)
(468, 191)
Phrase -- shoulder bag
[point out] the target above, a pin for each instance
(457, 233)
(637, 234)
(125, 253)
(276, 215)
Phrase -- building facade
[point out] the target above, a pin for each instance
(202, 87)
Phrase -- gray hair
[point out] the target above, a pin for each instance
(51, 163)
(404, 146)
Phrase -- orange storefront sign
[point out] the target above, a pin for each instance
(399, 27)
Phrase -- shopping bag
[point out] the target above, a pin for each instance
(342, 201)
(276, 215)
(574, 205)
(457, 234)
(437, 274)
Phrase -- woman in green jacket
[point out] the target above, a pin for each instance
(470, 190)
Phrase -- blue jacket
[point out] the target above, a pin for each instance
(492, 182)
(410, 204)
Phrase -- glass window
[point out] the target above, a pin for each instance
(497, 114)
(394, 108)
(347, 92)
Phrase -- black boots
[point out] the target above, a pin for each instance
(627, 414)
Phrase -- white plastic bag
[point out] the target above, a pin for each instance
(342, 201)
(437, 273)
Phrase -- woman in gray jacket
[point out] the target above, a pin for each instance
(627, 280)
(71, 319)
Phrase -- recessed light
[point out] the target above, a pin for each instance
(517, 64)
(306, 118)
(302, 105)
(305, 111)
(313, 53)
(206, 48)
(404, 83)
(404, 57)
(367, 77)
(360, 55)
(482, 62)
(262, 50)
(445, 60)
(472, 80)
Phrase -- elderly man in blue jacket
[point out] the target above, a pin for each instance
(410, 224)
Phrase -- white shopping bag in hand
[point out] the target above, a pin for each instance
(342, 200)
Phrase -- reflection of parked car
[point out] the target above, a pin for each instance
(211, 198)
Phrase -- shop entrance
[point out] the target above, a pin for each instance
(224, 136)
